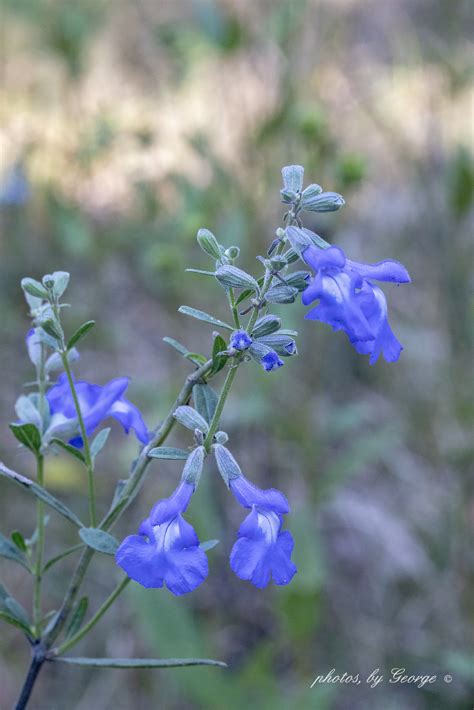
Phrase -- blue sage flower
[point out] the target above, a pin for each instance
(166, 549)
(97, 403)
(240, 340)
(349, 301)
(271, 361)
(262, 550)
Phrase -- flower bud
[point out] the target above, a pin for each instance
(209, 243)
(324, 202)
(265, 325)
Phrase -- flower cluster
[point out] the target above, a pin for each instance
(167, 550)
(349, 301)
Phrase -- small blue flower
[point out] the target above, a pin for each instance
(271, 361)
(240, 340)
(262, 550)
(97, 403)
(349, 301)
(166, 549)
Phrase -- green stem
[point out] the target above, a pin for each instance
(87, 453)
(39, 550)
(93, 621)
(233, 307)
(220, 404)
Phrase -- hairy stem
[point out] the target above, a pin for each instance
(94, 619)
(39, 551)
(87, 452)
(220, 404)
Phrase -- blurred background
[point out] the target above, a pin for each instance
(128, 125)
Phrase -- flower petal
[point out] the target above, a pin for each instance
(141, 561)
(168, 508)
(248, 495)
(130, 417)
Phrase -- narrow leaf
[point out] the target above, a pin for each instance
(9, 550)
(197, 358)
(177, 345)
(34, 288)
(99, 540)
(205, 400)
(77, 617)
(137, 662)
(201, 315)
(41, 493)
(70, 449)
(218, 359)
(168, 452)
(19, 540)
(99, 442)
(28, 435)
(245, 294)
(80, 333)
(191, 419)
(61, 556)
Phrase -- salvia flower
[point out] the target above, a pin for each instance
(166, 549)
(97, 403)
(262, 550)
(349, 301)
(271, 361)
(240, 340)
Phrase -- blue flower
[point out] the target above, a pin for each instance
(262, 550)
(271, 361)
(349, 301)
(97, 403)
(166, 549)
(240, 340)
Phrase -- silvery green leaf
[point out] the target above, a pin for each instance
(12, 612)
(28, 435)
(191, 419)
(70, 449)
(119, 488)
(168, 452)
(137, 662)
(298, 279)
(200, 271)
(177, 345)
(60, 282)
(34, 288)
(10, 551)
(293, 177)
(80, 333)
(47, 339)
(201, 315)
(266, 324)
(53, 329)
(99, 540)
(34, 302)
(288, 196)
(232, 252)
(54, 361)
(277, 263)
(218, 360)
(209, 243)
(282, 344)
(233, 277)
(205, 401)
(310, 192)
(99, 442)
(77, 617)
(291, 256)
(27, 412)
(281, 294)
(299, 238)
(221, 437)
(325, 202)
(40, 493)
(208, 545)
(227, 465)
(193, 467)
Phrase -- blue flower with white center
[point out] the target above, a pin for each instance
(240, 340)
(271, 361)
(97, 403)
(166, 549)
(262, 550)
(349, 301)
